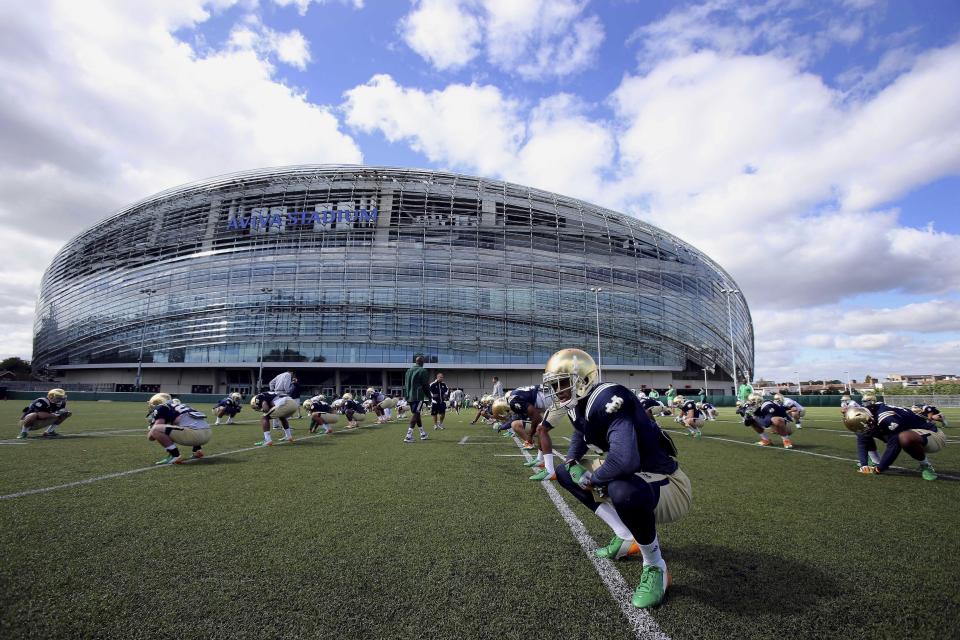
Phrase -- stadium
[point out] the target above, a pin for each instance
(346, 273)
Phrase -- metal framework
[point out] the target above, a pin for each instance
(466, 270)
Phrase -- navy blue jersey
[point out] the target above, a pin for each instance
(169, 412)
(768, 409)
(321, 407)
(651, 403)
(928, 410)
(377, 397)
(439, 392)
(707, 406)
(521, 398)
(44, 405)
(352, 406)
(893, 420)
(612, 419)
(228, 403)
(690, 405)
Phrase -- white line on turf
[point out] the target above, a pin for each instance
(795, 450)
(464, 439)
(130, 472)
(643, 624)
(14, 442)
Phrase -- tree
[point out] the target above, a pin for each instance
(19, 367)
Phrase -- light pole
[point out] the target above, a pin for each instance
(733, 354)
(263, 331)
(143, 328)
(596, 295)
(846, 382)
(799, 388)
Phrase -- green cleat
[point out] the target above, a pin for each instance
(169, 460)
(543, 474)
(927, 472)
(532, 463)
(263, 443)
(698, 434)
(618, 548)
(652, 588)
(22, 436)
(506, 434)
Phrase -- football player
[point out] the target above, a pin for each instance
(690, 416)
(175, 423)
(351, 408)
(708, 410)
(274, 407)
(402, 407)
(229, 406)
(639, 482)
(456, 399)
(930, 413)
(528, 404)
(439, 392)
(901, 430)
(655, 407)
(484, 405)
(374, 402)
(795, 410)
(846, 403)
(321, 414)
(769, 415)
(49, 412)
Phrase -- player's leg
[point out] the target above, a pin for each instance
(622, 544)
(160, 433)
(635, 502)
(548, 472)
(265, 427)
(784, 430)
(918, 443)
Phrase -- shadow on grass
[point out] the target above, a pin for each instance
(736, 581)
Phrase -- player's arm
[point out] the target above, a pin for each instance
(890, 453)
(623, 458)
(577, 448)
(862, 441)
(535, 416)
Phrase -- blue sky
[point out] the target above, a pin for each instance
(812, 148)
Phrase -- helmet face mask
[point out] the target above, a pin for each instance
(858, 420)
(778, 398)
(348, 396)
(868, 399)
(370, 391)
(569, 376)
(56, 395)
(236, 397)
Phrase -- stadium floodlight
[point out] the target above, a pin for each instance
(263, 332)
(733, 353)
(143, 328)
(596, 296)
(846, 382)
(799, 388)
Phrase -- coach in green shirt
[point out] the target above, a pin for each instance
(416, 389)
(745, 390)
(671, 394)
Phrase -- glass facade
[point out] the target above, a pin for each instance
(351, 265)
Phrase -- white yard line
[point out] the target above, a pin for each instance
(464, 439)
(795, 450)
(643, 625)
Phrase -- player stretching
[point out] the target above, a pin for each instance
(274, 407)
(690, 416)
(321, 414)
(173, 423)
(639, 482)
(901, 430)
(795, 410)
(768, 415)
(229, 406)
(439, 392)
(49, 412)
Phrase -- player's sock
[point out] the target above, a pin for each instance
(24, 430)
(410, 432)
(651, 554)
(217, 422)
(874, 457)
(925, 462)
(609, 515)
(267, 437)
(288, 433)
(51, 428)
(172, 450)
(548, 463)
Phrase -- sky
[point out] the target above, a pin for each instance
(810, 148)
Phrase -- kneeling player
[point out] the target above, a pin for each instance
(690, 416)
(321, 414)
(176, 423)
(901, 430)
(639, 482)
(795, 410)
(229, 406)
(274, 407)
(49, 412)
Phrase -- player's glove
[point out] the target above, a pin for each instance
(586, 480)
(576, 470)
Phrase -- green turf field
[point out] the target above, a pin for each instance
(357, 535)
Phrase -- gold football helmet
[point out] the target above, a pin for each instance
(754, 398)
(858, 420)
(678, 400)
(500, 410)
(157, 399)
(371, 391)
(56, 395)
(307, 404)
(778, 398)
(236, 397)
(348, 396)
(917, 409)
(256, 401)
(868, 398)
(570, 374)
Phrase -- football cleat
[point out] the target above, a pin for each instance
(763, 443)
(49, 434)
(576, 472)
(289, 440)
(196, 455)
(867, 469)
(533, 463)
(787, 443)
(423, 436)
(527, 446)
(543, 474)
(264, 443)
(927, 472)
(170, 460)
(652, 588)
(22, 436)
(618, 548)
(408, 439)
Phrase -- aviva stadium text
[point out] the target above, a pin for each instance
(320, 219)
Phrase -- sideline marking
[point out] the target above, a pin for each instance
(464, 439)
(809, 453)
(643, 625)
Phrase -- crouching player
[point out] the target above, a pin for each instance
(229, 406)
(654, 408)
(321, 414)
(690, 416)
(173, 423)
(795, 410)
(351, 408)
(639, 482)
(274, 407)
(484, 407)
(49, 412)
(901, 430)
(768, 415)
(708, 410)
(528, 404)
(374, 402)
(930, 414)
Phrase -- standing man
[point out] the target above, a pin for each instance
(497, 388)
(416, 389)
(671, 394)
(744, 392)
(438, 396)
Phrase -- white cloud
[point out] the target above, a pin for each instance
(100, 105)
(533, 38)
(252, 35)
(303, 5)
